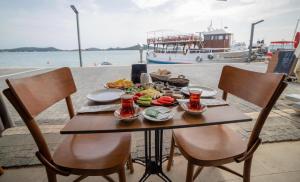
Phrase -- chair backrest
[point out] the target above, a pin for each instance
(261, 89)
(32, 95)
(5, 120)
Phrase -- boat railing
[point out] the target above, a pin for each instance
(202, 50)
(173, 39)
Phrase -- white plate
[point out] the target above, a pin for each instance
(105, 95)
(128, 119)
(184, 106)
(170, 116)
(206, 91)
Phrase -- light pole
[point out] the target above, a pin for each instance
(78, 33)
(251, 39)
(141, 48)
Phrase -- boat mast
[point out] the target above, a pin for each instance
(296, 29)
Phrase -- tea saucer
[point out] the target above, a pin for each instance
(128, 118)
(185, 107)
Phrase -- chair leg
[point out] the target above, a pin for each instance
(189, 173)
(1, 171)
(129, 164)
(80, 178)
(51, 175)
(121, 173)
(108, 178)
(171, 154)
(247, 169)
(199, 169)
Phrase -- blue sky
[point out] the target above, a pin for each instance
(111, 23)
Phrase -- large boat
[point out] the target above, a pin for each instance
(214, 45)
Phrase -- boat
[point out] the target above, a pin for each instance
(283, 45)
(106, 63)
(214, 45)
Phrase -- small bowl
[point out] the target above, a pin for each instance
(168, 93)
(165, 89)
(172, 87)
(177, 91)
(159, 87)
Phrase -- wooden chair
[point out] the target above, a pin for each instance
(1, 171)
(219, 145)
(84, 155)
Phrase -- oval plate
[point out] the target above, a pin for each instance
(206, 91)
(171, 114)
(105, 95)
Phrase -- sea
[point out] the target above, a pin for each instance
(68, 58)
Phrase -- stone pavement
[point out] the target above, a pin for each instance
(17, 146)
(276, 162)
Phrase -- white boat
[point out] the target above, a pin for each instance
(215, 45)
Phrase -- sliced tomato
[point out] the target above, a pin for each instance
(135, 98)
(163, 102)
(155, 102)
(166, 99)
(139, 94)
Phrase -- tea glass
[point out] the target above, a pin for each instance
(195, 99)
(127, 107)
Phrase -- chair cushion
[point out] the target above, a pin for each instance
(93, 151)
(209, 145)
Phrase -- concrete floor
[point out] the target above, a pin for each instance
(275, 162)
(17, 147)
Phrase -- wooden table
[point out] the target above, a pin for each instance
(106, 123)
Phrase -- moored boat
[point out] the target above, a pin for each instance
(214, 45)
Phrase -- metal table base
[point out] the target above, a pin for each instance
(153, 164)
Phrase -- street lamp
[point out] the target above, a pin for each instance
(78, 33)
(141, 48)
(251, 39)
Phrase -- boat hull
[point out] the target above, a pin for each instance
(193, 58)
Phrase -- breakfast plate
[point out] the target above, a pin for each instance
(105, 95)
(206, 91)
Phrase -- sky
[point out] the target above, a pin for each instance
(112, 23)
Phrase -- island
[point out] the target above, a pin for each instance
(51, 49)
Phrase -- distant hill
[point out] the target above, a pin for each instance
(49, 49)
(92, 49)
(135, 47)
(31, 49)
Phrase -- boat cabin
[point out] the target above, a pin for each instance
(218, 38)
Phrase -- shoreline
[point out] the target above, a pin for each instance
(206, 63)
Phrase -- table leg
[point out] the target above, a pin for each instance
(153, 164)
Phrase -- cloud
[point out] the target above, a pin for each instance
(126, 22)
(144, 4)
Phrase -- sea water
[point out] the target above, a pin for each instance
(67, 58)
